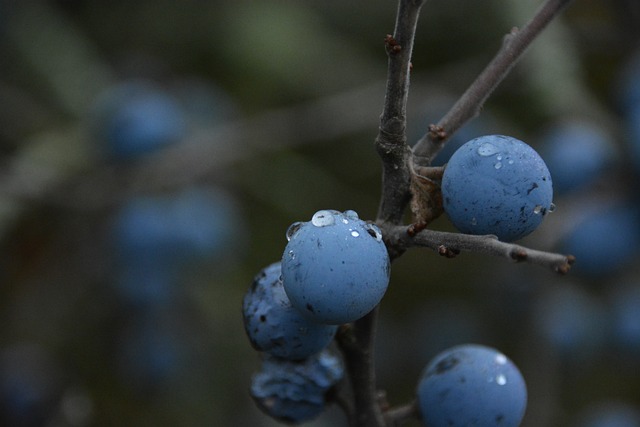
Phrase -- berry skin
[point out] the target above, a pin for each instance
(497, 185)
(335, 268)
(274, 326)
(471, 385)
(295, 392)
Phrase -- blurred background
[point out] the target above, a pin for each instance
(153, 154)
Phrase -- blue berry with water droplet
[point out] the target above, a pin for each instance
(295, 392)
(471, 385)
(335, 268)
(273, 325)
(497, 185)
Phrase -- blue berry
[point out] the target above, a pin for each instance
(335, 268)
(497, 185)
(274, 326)
(471, 385)
(577, 153)
(190, 224)
(137, 118)
(295, 392)
(603, 241)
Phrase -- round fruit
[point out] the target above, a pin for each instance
(497, 185)
(274, 326)
(294, 392)
(577, 152)
(135, 118)
(471, 385)
(335, 268)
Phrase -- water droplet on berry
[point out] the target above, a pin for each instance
(323, 218)
(374, 232)
(552, 207)
(498, 165)
(355, 233)
(351, 214)
(510, 161)
(499, 158)
(538, 210)
(292, 255)
(488, 149)
(501, 380)
(501, 359)
(474, 221)
(293, 229)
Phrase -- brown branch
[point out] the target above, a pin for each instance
(391, 142)
(356, 343)
(471, 102)
(451, 244)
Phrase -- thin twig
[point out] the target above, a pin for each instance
(391, 142)
(471, 102)
(401, 414)
(451, 244)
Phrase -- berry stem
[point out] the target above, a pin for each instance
(470, 103)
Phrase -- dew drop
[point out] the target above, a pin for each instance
(355, 233)
(292, 255)
(510, 161)
(293, 229)
(501, 379)
(374, 232)
(323, 218)
(498, 165)
(501, 359)
(351, 214)
(474, 221)
(499, 158)
(538, 209)
(552, 208)
(488, 149)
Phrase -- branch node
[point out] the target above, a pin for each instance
(447, 252)
(391, 44)
(510, 35)
(415, 228)
(437, 133)
(519, 254)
